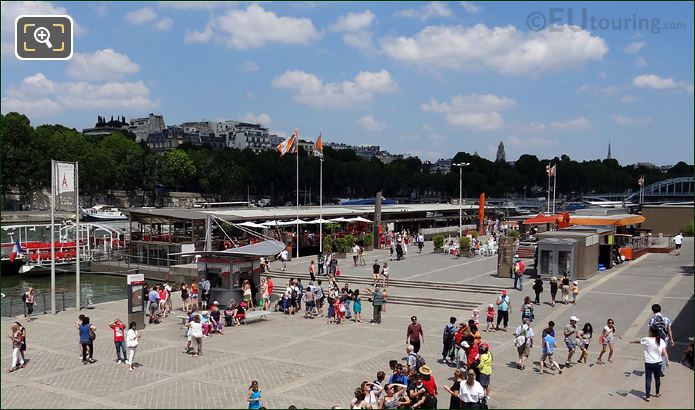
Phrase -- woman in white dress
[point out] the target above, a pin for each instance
(132, 341)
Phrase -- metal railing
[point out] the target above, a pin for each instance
(647, 241)
(13, 306)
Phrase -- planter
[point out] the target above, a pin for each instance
(438, 250)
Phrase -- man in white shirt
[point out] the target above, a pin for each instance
(283, 257)
(355, 253)
(678, 240)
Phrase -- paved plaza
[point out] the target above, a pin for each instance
(311, 364)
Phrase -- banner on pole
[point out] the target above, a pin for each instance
(65, 186)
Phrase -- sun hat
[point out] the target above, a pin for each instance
(574, 319)
(425, 370)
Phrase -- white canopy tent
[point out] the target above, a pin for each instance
(338, 219)
(250, 224)
(359, 219)
(318, 221)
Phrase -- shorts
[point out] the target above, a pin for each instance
(523, 350)
(545, 356)
(310, 305)
(266, 298)
(376, 276)
(293, 302)
(247, 298)
(571, 344)
(678, 246)
(484, 379)
(319, 302)
(607, 341)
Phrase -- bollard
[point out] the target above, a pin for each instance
(44, 303)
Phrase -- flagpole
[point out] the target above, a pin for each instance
(554, 187)
(321, 206)
(77, 236)
(53, 246)
(548, 172)
(297, 151)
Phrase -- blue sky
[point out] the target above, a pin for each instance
(425, 78)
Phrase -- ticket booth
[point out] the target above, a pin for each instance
(557, 256)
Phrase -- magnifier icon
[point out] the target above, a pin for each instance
(42, 35)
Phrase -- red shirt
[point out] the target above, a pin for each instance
(270, 286)
(118, 333)
(163, 295)
(414, 331)
(430, 385)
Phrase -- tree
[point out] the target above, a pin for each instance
(177, 168)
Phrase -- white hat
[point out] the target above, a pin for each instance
(215, 303)
(516, 255)
(465, 344)
(575, 282)
(574, 319)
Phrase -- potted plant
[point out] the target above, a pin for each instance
(341, 246)
(350, 240)
(438, 241)
(514, 234)
(368, 242)
(475, 234)
(464, 245)
(327, 244)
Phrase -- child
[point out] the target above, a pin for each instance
(339, 309)
(361, 256)
(575, 292)
(476, 317)
(490, 317)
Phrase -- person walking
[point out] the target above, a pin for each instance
(490, 318)
(654, 350)
(565, 290)
(205, 289)
(28, 298)
(284, 256)
(570, 333)
(503, 306)
(132, 341)
(196, 334)
(355, 254)
(119, 340)
(606, 340)
(312, 271)
(485, 369)
(575, 292)
(549, 349)
(414, 335)
(527, 310)
(523, 340)
(23, 347)
(385, 274)
(678, 241)
(448, 351)
(87, 337)
(519, 268)
(253, 396)
(17, 358)
(363, 262)
(185, 296)
(538, 289)
(585, 339)
(376, 272)
(663, 324)
(553, 290)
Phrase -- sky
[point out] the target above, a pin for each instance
(421, 78)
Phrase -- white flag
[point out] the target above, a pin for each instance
(65, 178)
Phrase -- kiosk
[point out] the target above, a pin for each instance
(136, 298)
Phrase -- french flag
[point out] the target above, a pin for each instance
(16, 250)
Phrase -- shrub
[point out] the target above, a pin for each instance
(689, 229)
(341, 245)
(464, 243)
(438, 241)
(328, 244)
(475, 234)
(350, 241)
(513, 233)
(368, 239)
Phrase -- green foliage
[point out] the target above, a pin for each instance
(350, 241)
(328, 244)
(689, 229)
(464, 243)
(177, 167)
(341, 245)
(513, 233)
(368, 239)
(331, 227)
(438, 241)
(475, 234)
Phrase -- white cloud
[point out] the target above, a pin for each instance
(353, 22)
(640, 62)
(471, 7)
(355, 29)
(38, 96)
(249, 66)
(634, 47)
(164, 24)
(262, 118)
(628, 99)
(503, 49)
(141, 16)
(428, 11)
(624, 120)
(368, 123)
(281, 134)
(100, 65)
(473, 111)
(658, 83)
(577, 123)
(192, 5)
(609, 90)
(10, 10)
(311, 90)
(254, 27)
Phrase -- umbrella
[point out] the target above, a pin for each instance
(270, 223)
(318, 221)
(292, 222)
(338, 219)
(359, 219)
(250, 224)
(541, 219)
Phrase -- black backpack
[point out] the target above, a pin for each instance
(24, 297)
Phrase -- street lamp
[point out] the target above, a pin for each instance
(461, 165)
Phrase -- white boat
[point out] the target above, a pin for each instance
(103, 213)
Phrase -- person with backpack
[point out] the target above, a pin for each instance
(519, 268)
(527, 310)
(413, 360)
(663, 324)
(87, 337)
(448, 341)
(523, 341)
(503, 306)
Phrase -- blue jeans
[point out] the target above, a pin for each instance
(347, 310)
(120, 351)
(649, 370)
(520, 279)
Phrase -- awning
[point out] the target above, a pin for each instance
(250, 224)
(613, 220)
(541, 219)
(318, 221)
(359, 219)
(339, 219)
(269, 223)
(292, 222)
(260, 249)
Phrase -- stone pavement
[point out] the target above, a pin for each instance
(311, 364)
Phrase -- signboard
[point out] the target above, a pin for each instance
(136, 279)
(136, 298)
(591, 240)
(65, 182)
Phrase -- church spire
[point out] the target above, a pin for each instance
(609, 151)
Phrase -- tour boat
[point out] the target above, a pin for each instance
(103, 213)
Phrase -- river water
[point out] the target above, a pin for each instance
(95, 288)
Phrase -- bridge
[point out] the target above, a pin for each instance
(667, 190)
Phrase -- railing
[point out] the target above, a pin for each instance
(641, 242)
(13, 306)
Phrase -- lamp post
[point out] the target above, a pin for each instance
(461, 165)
